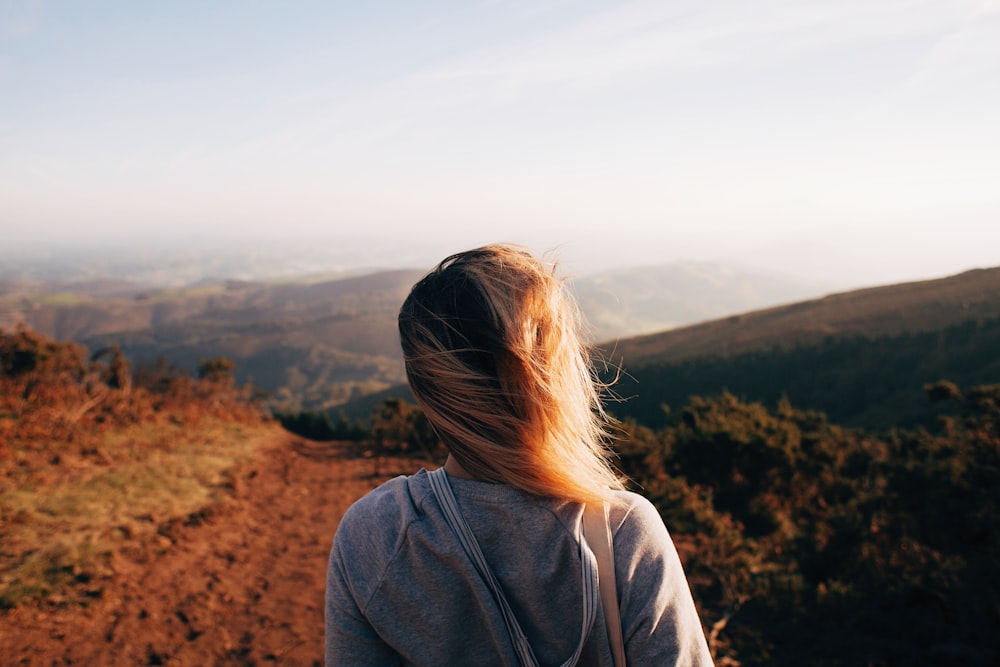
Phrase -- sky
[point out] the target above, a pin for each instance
(855, 141)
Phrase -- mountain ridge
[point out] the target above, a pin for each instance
(323, 343)
(860, 357)
(919, 306)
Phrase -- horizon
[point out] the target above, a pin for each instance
(176, 262)
(852, 144)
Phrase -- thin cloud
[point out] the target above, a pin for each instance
(692, 36)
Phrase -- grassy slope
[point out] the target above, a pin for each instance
(879, 311)
(65, 512)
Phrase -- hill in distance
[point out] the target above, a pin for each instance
(854, 355)
(313, 343)
(644, 299)
(322, 344)
(319, 343)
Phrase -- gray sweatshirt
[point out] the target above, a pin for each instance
(401, 591)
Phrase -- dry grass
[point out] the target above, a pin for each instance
(60, 526)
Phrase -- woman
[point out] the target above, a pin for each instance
(494, 360)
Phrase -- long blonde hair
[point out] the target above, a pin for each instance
(494, 360)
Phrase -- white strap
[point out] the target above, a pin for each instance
(597, 530)
(588, 573)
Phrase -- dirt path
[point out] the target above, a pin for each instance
(241, 584)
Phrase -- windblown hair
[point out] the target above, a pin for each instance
(492, 352)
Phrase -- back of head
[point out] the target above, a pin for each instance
(494, 360)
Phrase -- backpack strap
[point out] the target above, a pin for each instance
(597, 530)
(588, 574)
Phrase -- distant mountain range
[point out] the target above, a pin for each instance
(321, 343)
(314, 344)
(628, 302)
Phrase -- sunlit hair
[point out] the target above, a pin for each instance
(494, 360)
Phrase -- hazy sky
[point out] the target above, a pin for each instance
(816, 137)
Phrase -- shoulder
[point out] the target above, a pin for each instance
(372, 532)
(659, 618)
(374, 529)
(634, 514)
(641, 540)
(384, 512)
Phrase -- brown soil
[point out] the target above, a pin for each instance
(238, 584)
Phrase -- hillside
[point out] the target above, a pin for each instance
(238, 581)
(157, 518)
(861, 357)
(314, 344)
(643, 299)
(927, 305)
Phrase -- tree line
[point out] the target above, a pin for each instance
(863, 381)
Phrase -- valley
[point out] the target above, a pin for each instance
(322, 343)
